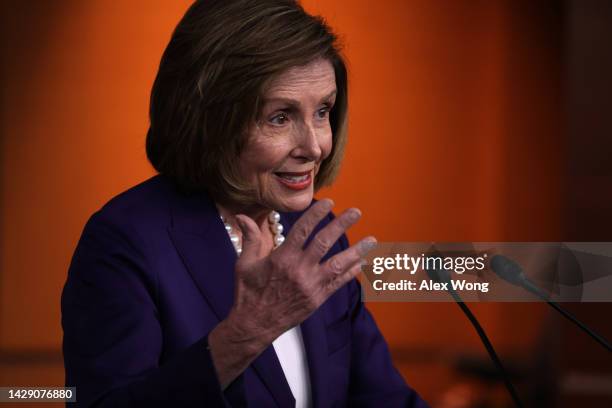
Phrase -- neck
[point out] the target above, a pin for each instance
(256, 213)
(259, 215)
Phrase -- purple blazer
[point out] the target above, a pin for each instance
(153, 274)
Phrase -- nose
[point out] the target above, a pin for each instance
(308, 146)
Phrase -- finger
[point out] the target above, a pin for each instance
(303, 227)
(323, 241)
(251, 238)
(339, 263)
(344, 278)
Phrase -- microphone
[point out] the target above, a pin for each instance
(443, 276)
(511, 272)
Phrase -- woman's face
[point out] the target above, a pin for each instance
(292, 136)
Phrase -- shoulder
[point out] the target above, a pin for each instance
(144, 210)
(132, 223)
(144, 203)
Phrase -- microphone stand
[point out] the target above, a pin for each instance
(512, 272)
(439, 276)
(527, 284)
(487, 344)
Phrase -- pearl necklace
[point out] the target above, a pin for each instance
(275, 226)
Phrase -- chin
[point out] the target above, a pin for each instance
(294, 203)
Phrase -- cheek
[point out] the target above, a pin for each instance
(261, 157)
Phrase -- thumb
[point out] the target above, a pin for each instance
(251, 238)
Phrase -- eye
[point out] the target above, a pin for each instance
(323, 113)
(279, 119)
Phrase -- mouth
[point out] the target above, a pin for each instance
(295, 180)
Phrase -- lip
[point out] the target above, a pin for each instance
(295, 186)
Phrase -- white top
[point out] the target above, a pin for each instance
(290, 351)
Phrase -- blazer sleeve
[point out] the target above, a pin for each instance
(112, 336)
(374, 380)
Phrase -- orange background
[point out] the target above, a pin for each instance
(455, 135)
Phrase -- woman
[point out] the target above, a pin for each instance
(183, 291)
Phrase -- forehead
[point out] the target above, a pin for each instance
(314, 79)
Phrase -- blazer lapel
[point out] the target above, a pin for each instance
(315, 343)
(200, 239)
(269, 370)
(202, 242)
(315, 340)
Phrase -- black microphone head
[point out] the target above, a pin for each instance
(438, 275)
(508, 270)
(434, 273)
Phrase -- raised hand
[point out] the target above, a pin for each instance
(277, 291)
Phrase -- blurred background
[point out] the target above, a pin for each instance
(470, 120)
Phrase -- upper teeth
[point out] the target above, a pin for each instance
(295, 179)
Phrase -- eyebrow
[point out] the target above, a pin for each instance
(293, 102)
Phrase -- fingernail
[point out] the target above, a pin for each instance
(368, 245)
(354, 214)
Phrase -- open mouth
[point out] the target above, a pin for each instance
(295, 180)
